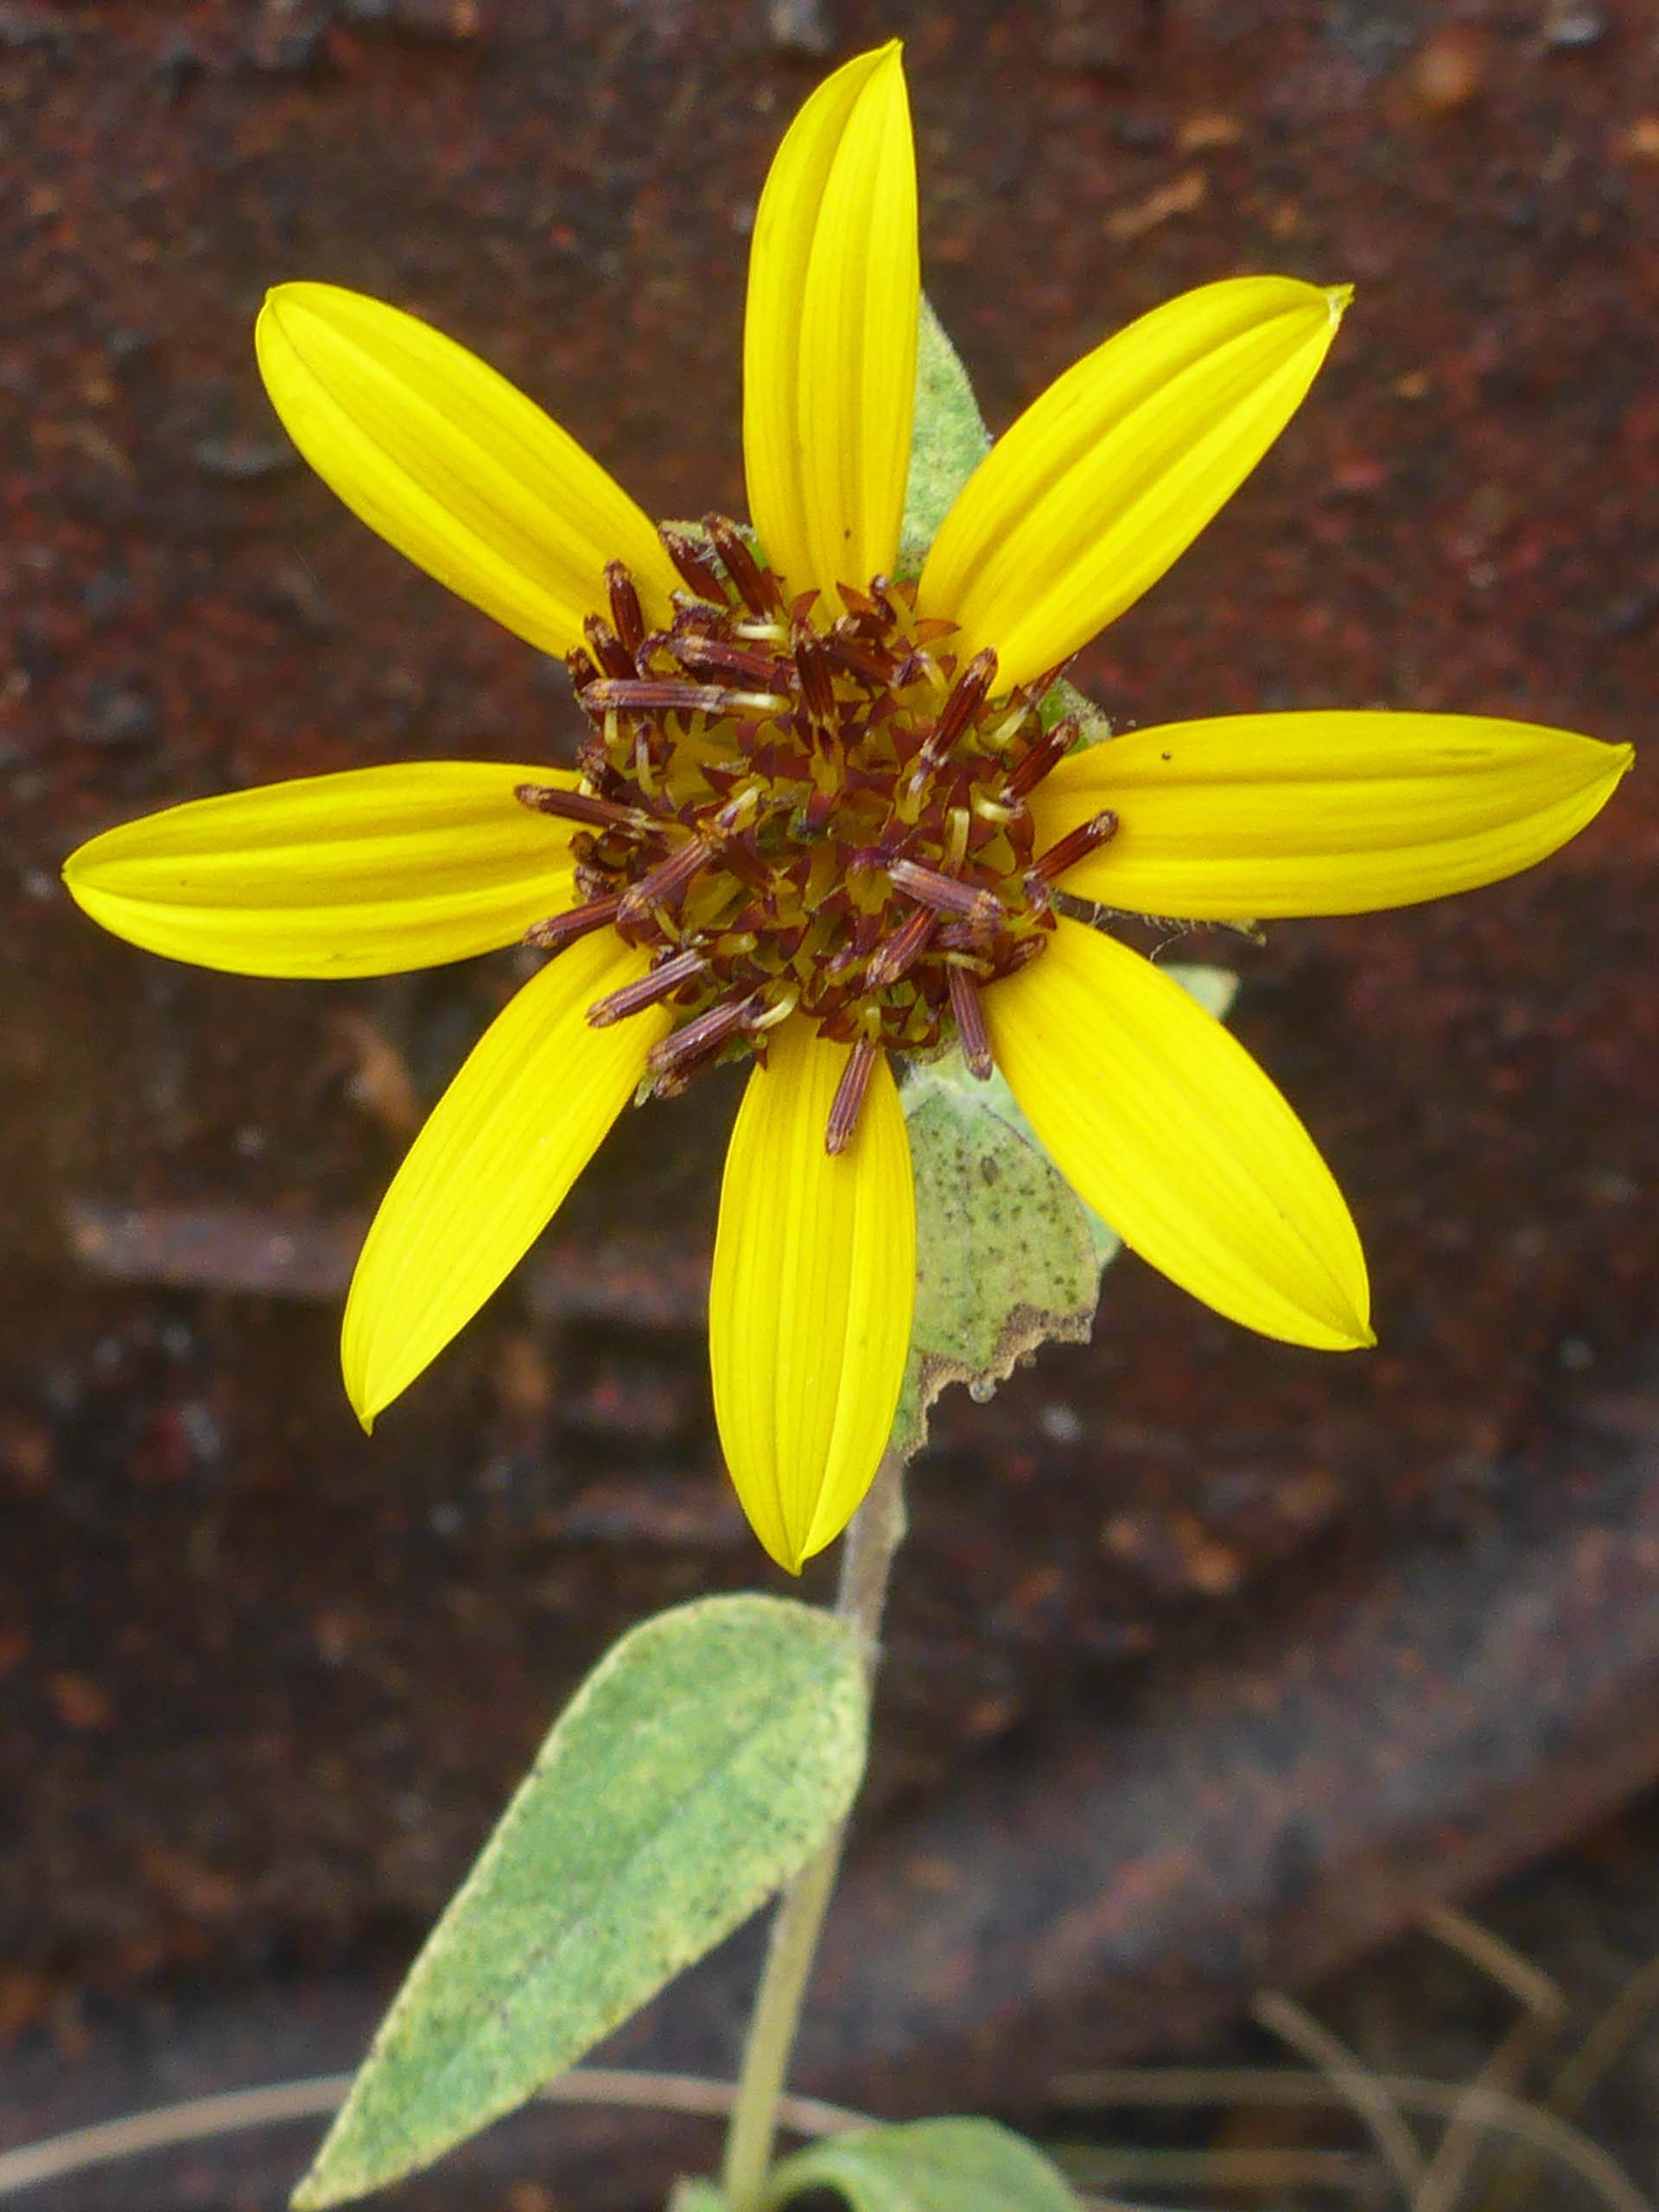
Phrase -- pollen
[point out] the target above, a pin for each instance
(799, 808)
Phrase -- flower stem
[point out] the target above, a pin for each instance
(873, 1537)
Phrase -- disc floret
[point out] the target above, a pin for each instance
(795, 808)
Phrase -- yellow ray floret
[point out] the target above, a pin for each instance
(451, 464)
(795, 810)
(1261, 816)
(813, 1292)
(367, 872)
(1162, 1121)
(1109, 476)
(487, 1174)
(829, 333)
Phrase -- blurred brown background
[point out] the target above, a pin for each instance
(1213, 1662)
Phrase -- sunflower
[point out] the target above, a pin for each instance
(824, 814)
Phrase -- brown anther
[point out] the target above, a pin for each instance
(960, 936)
(560, 930)
(607, 648)
(944, 894)
(966, 696)
(812, 666)
(901, 950)
(864, 661)
(579, 667)
(626, 614)
(649, 697)
(1046, 754)
(581, 806)
(689, 559)
(664, 979)
(756, 586)
(1038, 687)
(1075, 845)
(793, 808)
(700, 1038)
(714, 656)
(848, 1102)
(663, 885)
(693, 617)
(969, 1011)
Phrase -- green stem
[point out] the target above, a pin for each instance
(873, 1537)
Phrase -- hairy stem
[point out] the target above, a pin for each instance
(867, 1557)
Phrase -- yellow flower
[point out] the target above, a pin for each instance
(818, 818)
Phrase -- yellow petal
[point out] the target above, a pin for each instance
(829, 337)
(1164, 1123)
(813, 1292)
(1262, 815)
(367, 872)
(1116, 469)
(484, 1176)
(451, 464)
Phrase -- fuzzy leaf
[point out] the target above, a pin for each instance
(949, 441)
(703, 1761)
(1061, 699)
(1005, 1259)
(1007, 1256)
(929, 2165)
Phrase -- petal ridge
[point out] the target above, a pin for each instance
(1110, 473)
(812, 1294)
(366, 872)
(1162, 1121)
(452, 464)
(830, 331)
(1322, 813)
(522, 1118)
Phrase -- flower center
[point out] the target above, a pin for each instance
(802, 809)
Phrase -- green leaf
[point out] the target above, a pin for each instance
(1061, 699)
(931, 2165)
(1007, 1256)
(948, 443)
(695, 2196)
(700, 1765)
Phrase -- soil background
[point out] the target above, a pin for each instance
(263, 1682)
